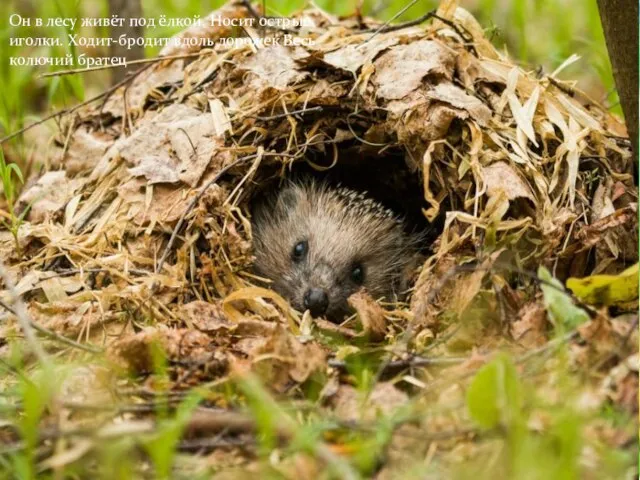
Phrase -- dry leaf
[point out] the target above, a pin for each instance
(283, 359)
(402, 69)
(275, 67)
(176, 145)
(456, 97)
(352, 57)
(530, 328)
(371, 314)
(502, 177)
(49, 195)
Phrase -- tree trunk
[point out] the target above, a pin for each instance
(620, 25)
(126, 9)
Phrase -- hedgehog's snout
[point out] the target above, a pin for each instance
(316, 300)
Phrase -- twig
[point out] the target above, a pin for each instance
(118, 409)
(195, 152)
(461, 30)
(362, 140)
(410, 23)
(410, 362)
(74, 271)
(550, 345)
(147, 393)
(383, 27)
(212, 443)
(252, 11)
(67, 341)
(207, 420)
(283, 115)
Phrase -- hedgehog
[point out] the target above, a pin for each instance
(319, 244)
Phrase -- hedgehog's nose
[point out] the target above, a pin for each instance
(316, 300)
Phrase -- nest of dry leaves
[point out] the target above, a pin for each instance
(139, 232)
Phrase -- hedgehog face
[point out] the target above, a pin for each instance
(318, 279)
(320, 245)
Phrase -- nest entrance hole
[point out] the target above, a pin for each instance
(387, 178)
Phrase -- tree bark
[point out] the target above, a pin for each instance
(125, 9)
(620, 24)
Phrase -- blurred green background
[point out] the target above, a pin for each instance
(536, 33)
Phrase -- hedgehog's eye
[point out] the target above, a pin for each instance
(299, 250)
(357, 274)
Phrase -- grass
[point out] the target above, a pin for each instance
(502, 404)
(11, 177)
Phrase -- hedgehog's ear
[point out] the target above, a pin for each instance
(287, 198)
